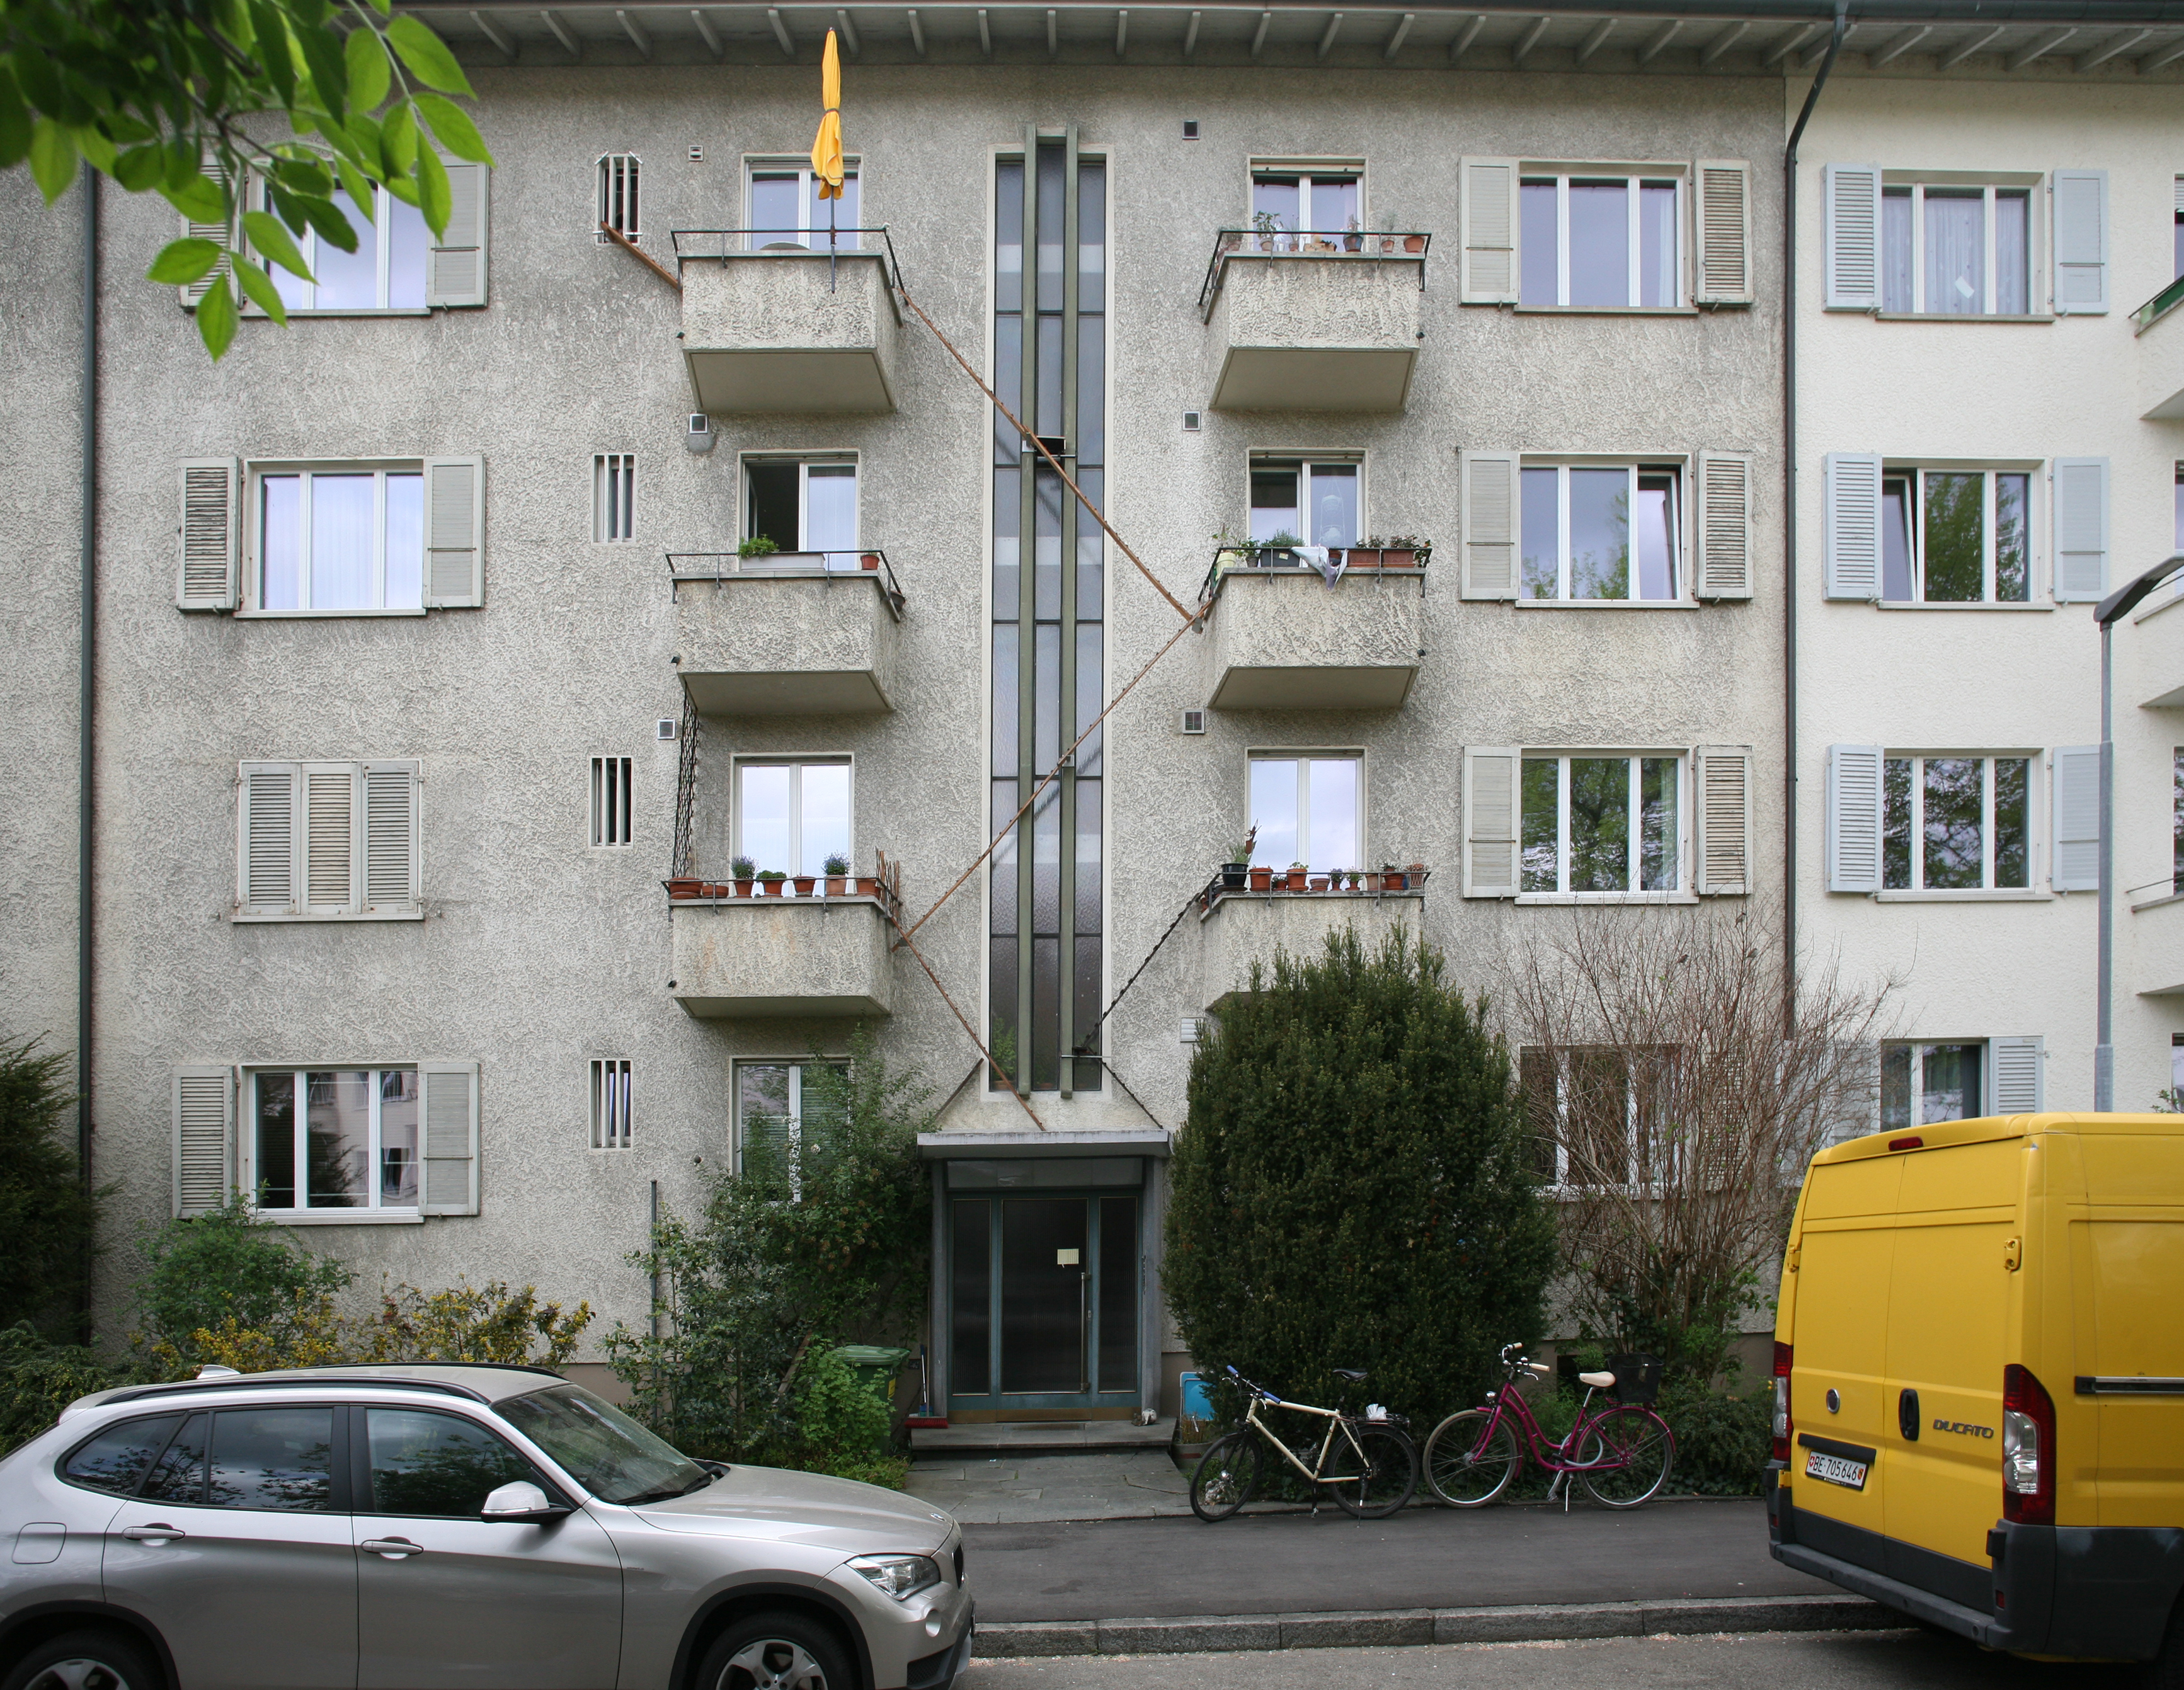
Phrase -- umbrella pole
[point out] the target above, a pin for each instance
(833, 207)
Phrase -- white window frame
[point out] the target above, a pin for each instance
(1684, 891)
(1631, 1183)
(1637, 464)
(1333, 172)
(612, 810)
(1632, 175)
(1304, 757)
(380, 232)
(305, 1214)
(805, 462)
(1918, 1048)
(1304, 463)
(758, 165)
(796, 763)
(1918, 181)
(610, 1103)
(2035, 515)
(619, 202)
(254, 583)
(2034, 804)
(796, 1065)
(613, 498)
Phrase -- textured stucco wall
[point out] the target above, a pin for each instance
(1238, 930)
(784, 300)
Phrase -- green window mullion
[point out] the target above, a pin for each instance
(1065, 965)
(1028, 773)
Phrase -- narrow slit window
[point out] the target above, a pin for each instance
(618, 196)
(610, 1103)
(614, 496)
(610, 801)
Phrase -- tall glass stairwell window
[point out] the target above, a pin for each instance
(1046, 962)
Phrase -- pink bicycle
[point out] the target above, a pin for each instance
(1621, 1455)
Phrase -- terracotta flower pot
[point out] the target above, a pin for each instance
(867, 886)
(838, 885)
(1298, 879)
(1398, 557)
(1414, 244)
(1318, 882)
(743, 889)
(1394, 881)
(804, 883)
(871, 559)
(684, 887)
(1262, 879)
(1353, 244)
(769, 888)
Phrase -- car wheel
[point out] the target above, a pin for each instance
(774, 1652)
(85, 1660)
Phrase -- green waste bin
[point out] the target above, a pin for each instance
(878, 1365)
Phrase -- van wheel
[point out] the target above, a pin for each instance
(776, 1651)
(2166, 1671)
(85, 1660)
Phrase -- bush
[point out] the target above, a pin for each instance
(1354, 1187)
(840, 1425)
(47, 1217)
(1723, 1437)
(39, 1379)
(230, 1272)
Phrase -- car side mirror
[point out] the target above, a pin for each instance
(521, 1500)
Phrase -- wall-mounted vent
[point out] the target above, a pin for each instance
(697, 434)
(1187, 1029)
(1190, 129)
(1190, 722)
(1194, 421)
(666, 728)
(697, 155)
(617, 206)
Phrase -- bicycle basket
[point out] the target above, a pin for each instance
(1637, 1378)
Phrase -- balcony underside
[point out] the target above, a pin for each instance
(1303, 689)
(749, 960)
(813, 381)
(813, 644)
(1281, 639)
(821, 692)
(1355, 378)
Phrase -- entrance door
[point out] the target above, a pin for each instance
(1044, 1301)
(1045, 1298)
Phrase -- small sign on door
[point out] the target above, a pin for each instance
(1066, 1258)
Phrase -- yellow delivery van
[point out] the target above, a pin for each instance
(1978, 1365)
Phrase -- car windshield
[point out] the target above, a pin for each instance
(601, 1447)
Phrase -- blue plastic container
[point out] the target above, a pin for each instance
(1197, 1397)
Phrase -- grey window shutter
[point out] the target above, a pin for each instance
(1853, 514)
(1853, 819)
(2081, 529)
(454, 267)
(1850, 209)
(1490, 821)
(1724, 525)
(1724, 820)
(204, 1137)
(390, 838)
(330, 839)
(267, 855)
(207, 576)
(451, 1137)
(1721, 232)
(191, 292)
(2081, 241)
(2020, 1077)
(1490, 524)
(2077, 854)
(454, 531)
(1490, 257)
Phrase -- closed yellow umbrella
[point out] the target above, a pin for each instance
(826, 150)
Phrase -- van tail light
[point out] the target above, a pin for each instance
(2028, 1448)
(1782, 1403)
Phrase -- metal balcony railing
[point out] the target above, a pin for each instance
(2159, 306)
(882, 887)
(727, 565)
(689, 243)
(1259, 557)
(1367, 246)
(1264, 882)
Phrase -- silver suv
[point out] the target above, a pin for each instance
(449, 1528)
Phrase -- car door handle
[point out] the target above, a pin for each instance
(155, 1533)
(393, 1549)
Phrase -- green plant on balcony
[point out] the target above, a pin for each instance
(758, 545)
(742, 868)
(837, 864)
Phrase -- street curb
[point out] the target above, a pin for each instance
(1534, 1623)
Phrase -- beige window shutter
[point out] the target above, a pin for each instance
(207, 576)
(203, 1137)
(1491, 257)
(1724, 820)
(455, 266)
(267, 855)
(454, 532)
(451, 1137)
(1490, 788)
(1724, 525)
(390, 792)
(330, 839)
(191, 292)
(1721, 232)
(1490, 519)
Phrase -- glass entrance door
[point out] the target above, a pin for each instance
(1043, 1296)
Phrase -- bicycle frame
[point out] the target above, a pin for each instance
(1510, 1401)
(1336, 1420)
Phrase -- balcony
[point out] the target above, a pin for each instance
(1240, 925)
(1305, 321)
(787, 329)
(746, 952)
(2157, 930)
(791, 633)
(1281, 637)
(2160, 332)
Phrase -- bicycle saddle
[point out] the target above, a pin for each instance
(1356, 1375)
(1599, 1381)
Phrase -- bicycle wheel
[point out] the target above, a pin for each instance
(1632, 1450)
(1390, 1475)
(1461, 1473)
(1227, 1478)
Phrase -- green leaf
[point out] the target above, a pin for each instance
(272, 31)
(141, 169)
(453, 127)
(201, 199)
(14, 122)
(427, 56)
(289, 206)
(328, 219)
(370, 74)
(216, 319)
(404, 188)
(398, 140)
(260, 288)
(52, 158)
(184, 156)
(433, 198)
(267, 235)
(324, 53)
(358, 185)
(182, 262)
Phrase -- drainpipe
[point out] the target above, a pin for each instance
(1790, 517)
(85, 700)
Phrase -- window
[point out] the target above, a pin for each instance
(1599, 241)
(2178, 270)
(786, 211)
(348, 539)
(116, 1459)
(434, 1466)
(320, 841)
(802, 505)
(1306, 208)
(1598, 1113)
(2176, 824)
(772, 1116)
(1956, 537)
(336, 1139)
(610, 1103)
(1956, 824)
(618, 208)
(1601, 824)
(1295, 503)
(1921, 1084)
(609, 800)
(1309, 809)
(791, 816)
(1956, 251)
(386, 272)
(1593, 533)
(614, 496)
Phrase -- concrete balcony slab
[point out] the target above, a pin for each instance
(788, 640)
(790, 332)
(1237, 928)
(1282, 639)
(764, 958)
(2157, 928)
(1312, 331)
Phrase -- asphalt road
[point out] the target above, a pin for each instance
(1823, 1660)
(1421, 1558)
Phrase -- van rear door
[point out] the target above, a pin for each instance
(2132, 1242)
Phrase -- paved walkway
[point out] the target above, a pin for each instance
(1027, 1489)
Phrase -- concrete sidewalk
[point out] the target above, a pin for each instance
(1024, 1489)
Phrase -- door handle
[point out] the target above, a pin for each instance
(156, 1533)
(392, 1548)
(1907, 1415)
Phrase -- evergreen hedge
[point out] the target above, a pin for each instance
(1355, 1186)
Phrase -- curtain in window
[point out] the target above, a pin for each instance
(1956, 251)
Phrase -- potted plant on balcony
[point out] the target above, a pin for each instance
(758, 545)
(1239, 864)
(1319, 882)
(1353, 876)
(1262, 877)
(870, 560)
(1391, 877)
(1401, 552)
(684, 886)
(804, 883)
(769, 882)
(838, 872)
(1354, 242)
(1300, 877)
(1267, 226)
(744, 870)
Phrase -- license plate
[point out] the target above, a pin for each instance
(1833, 1470)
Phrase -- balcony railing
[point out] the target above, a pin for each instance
(1228, 882)
(1331, 563)
(727, 565)
(1239, 926)
(883, 889)
(1365, 246)
(716, 243)
(2159, 306)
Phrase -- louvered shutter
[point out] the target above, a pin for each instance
(2081, 241)
(1725, 818)
(1491, 790)
(1853, 514)
(2081, 530)
(266, 852)
(207, 576)
(454, 267)
(451, 1137)
(454, 531)
(1850, 207)
(2077, 854)
(1724, 525)
(1853, 819)
(1490, 524)
(191, 292)
(1721, 232)
(329, 838)
(2020, 1075)
(204, 1137)
(390, 838)
(1490, 257)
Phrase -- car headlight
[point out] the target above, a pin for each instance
(901, 1576)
